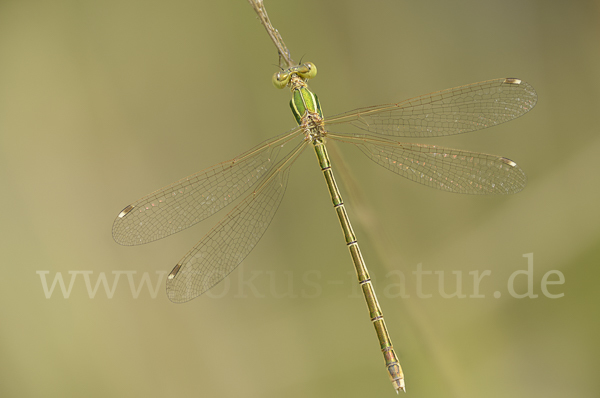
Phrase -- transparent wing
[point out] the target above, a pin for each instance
(230, 241)
(192, 199)
(453, 111)
(447, 169)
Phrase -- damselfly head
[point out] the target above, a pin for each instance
(307, 70)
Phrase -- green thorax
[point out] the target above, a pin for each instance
(303, 100)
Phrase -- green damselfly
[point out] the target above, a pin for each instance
(261, 174)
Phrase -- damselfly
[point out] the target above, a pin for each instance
(261, 174)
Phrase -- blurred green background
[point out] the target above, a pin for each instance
(104, 102)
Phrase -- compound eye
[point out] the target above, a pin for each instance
(281, 79)
(307, 70)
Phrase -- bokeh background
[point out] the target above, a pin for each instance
(104, 102)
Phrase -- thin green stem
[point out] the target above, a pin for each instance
(285, 58)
